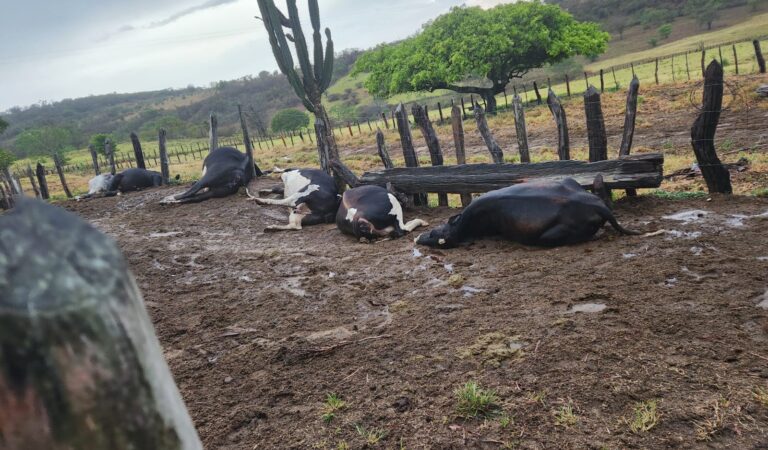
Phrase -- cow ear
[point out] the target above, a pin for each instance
(455, 219)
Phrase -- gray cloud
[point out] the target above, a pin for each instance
(185, 12)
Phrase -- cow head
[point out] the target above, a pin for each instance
(444, 236)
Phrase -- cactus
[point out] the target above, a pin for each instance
(310, 80)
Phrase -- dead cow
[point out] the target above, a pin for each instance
(371, 212)
(546, 214)
(311, 193)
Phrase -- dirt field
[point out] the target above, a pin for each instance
(259, 328)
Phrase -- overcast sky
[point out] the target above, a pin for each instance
(56, 49)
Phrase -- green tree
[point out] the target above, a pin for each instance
(3, 125)
(6, 159)
(43, 141)
(98, 140)
(664, 31)
(289, 120)
(704, 11)
(471, 50)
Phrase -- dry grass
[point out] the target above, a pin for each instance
(713, 425)
(645, 416)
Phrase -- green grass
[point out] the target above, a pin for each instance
(372, 436)
(333, 404)
(645, 416)
(566, 416)
(678, 195)
(472, 401)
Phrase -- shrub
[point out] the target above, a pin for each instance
(289, 120)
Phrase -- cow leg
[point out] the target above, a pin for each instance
(279, 190)
(555, 236)
(197, 187)
(294, 223)
(415, 223)
(288, 201)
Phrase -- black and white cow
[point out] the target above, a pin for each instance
(311, 193)
(546, 214)
(224, 173)
(371, 212)
(129, 180)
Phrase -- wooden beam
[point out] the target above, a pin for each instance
(80, 365)
(637, 171)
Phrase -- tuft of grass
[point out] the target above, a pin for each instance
(645, 416)
(505, 420)
(475, 402)
(342, 445)
(678, 195)
(538, 397)
(566, 416)
(761, 396)
(333, 404)
(372, 436)
(710, 427)
(762, 192)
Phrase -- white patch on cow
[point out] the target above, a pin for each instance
(441, 241)
(351, 214)
(99, 183)
(397, 210)
(294, 182)
(171, 199)
(205, 169)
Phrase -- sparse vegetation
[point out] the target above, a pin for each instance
(505, 420)
(372, 436)
(645, 416)
(475, 402)
(289, 120)
(566, 416)
(761, 396)
(333, 404)
(678, 195)
(713, 425)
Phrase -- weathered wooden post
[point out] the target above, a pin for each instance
(482, 126)
(40, 172)
(598, 140)
(381, 145)
(409, 153)
(165, 163)
(60, 171)
(440, 110)
(720, 52)
(349, 125)
(520, 129)
(687, 67)
(359, 129)
(717, 177)
(137, 151)
(80, 366)
(759, 56)
(421, 117)
(213, 133)
(736, 59)
(384, 118)
(95, 159)
(703, 59)
(252, 167)
(615, 82)
(6, 202)
(586, 80)
(458, 139)
(656, 72)
(673, 69)
(630, 118)
(463, 109)
(110, 152)
(506, 103)
(31, 176)
(538, 94)
(558, 112)
(568, 85)
(602, 82)
(343, 172)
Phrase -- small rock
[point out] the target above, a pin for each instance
(228, 380)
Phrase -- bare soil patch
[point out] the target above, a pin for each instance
(259, 328)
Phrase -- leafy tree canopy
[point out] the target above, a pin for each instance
(98, 140)
(289, 120)
(3, 125)
(704, 11)
(471, 50)
(6, 159)
(43, 141)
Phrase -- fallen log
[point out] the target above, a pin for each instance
(631, 172)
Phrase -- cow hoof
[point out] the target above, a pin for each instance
(170, 200)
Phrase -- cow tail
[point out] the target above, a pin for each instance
(608, 215)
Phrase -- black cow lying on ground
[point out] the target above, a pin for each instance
(129, 180)
(311, 193)
(371, 212)
(546, 214)
(224, 172)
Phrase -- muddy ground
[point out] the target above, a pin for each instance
(259, 328)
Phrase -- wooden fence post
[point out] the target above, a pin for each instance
(440, 110)
(60, 171)
(586, 80)
(165, 163)
(381, 145)
(602, 82)
(409, 153)
(736, 59)
(759, 56)
(629, 124)
(81, 366)
(421, 117)
(6, 202)
(252, 166)
(703, 57)
(568, 85)
(538, 94)
(95, 160)
(674, 79)
(137, 151)
(458, 139)
(687, 67)
(598, 141)
(463, 109)
(31, 176)
(110, 152)
(40, 172)
(384, 118)
(615, 82)
(213, 133)
(703, 132)
(656, 72)
(558, 112)
(482, 126)
(521, 130)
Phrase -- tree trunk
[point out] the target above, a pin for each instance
(490, 101)
(329, 143)
(80, 366)
(703, 132)
(638, 171)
